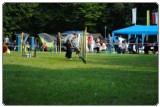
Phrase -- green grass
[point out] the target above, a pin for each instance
(51, 79)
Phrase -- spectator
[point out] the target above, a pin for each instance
(137, 45)
(123, 47)
(109, 42)
(120, 43)
(146, 48)
(104, 48)
(58, 41)
(27, 45)
(55, 47)
(155, 47)
(89, 42)
(127, 44)
(6, 40)
(44, 47)
(97, 47)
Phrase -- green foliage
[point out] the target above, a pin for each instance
(50, 79)
(35, 18)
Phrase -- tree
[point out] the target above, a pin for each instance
(35, 18)
(16, 17)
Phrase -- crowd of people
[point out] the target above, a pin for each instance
(108, 45)
(122, 46)
(97, 45)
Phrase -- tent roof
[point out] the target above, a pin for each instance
(138, 29)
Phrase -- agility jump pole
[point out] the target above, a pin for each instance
(83, 46)
(21, 44)
(60, 45)
(85, 35)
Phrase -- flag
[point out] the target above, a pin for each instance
(155, 18)
(134, 13)
(148, 17)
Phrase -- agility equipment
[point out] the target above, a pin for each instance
(26, 50)
(83, 54)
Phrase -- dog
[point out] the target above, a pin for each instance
(77, 52)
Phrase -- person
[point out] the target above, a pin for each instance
(130, 45)
(155, 47)
(97, 47)
(104, 48)
(116, 43)
(146, 48)
(89, 42)
(6, 40)
(109, 42)
(58, 41)
(113, 46)
(127, 44)
(27, 45)
(44, 47)
(120, 42)
(97, 40)
(69, 45)
(15, 45)
(123, 47)
(137, 45)
(55, 47)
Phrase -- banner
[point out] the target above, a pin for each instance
(148, 17)
(134, 15)
(155, 18)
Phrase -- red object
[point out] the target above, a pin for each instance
(153, 18)
(45, 48)
(89, 39)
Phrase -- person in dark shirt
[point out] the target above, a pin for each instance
(69, 45)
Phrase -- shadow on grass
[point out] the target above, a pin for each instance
(25, 85)
(126, 60)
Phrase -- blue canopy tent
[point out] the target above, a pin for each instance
(138, 30)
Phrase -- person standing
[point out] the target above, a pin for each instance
(58, 42)
(120, 43)
(69, 45)
(6, 40)
(89, 42)
(137, 45)
(110, 41)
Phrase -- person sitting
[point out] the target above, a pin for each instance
(97, 47)
(123, 48)
(44, 47)
(104, 48)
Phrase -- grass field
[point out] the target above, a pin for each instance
(51, 79)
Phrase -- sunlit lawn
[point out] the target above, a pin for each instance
(51, 79)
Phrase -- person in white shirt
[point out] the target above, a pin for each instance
(123, 47)
(6, 39)
(120, 42)
(97, 46)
